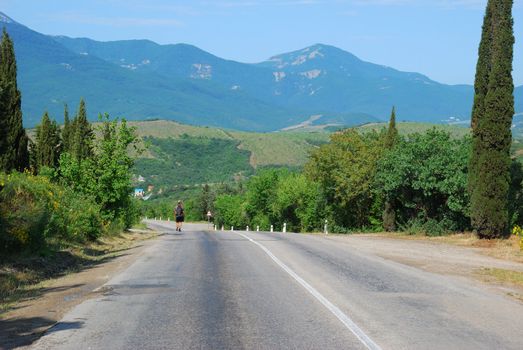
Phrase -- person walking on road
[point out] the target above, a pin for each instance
(180, 216)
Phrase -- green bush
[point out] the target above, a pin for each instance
(429, 227)
(34, 211)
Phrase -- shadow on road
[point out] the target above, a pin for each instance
(23, 332)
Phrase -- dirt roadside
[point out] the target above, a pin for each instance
(27, 320)
(495, 265)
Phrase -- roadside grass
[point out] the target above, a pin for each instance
(25, 277)
(140, 226)
(494, 275)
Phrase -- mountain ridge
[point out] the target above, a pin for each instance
(145, 80)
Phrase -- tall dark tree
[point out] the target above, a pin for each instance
(67, 131)
(83, 137)
(491, 122)
(389, 210)
(48, 144)
(14, 153)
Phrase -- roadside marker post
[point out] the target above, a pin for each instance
(284, 227)
(215, 228)
(209, 215)
(247, 228)
(232, 228)
(325, 228)
(222, 228)
(257, 228)
(272, 228)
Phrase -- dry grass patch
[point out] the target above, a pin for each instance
(494, 275)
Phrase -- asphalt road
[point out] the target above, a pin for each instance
(239, 290)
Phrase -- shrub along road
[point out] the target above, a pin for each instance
(229, 290)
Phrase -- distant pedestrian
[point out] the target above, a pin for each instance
(180, 216)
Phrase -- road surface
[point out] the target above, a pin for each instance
(244, 290)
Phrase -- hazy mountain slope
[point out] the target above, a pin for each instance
(140, 79)
(320, 79)
(50, 75)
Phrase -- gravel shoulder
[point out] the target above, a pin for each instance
(462, 257)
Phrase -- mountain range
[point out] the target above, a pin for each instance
(142, 80)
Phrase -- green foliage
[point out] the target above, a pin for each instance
(392, 132)
(273, 197)
(389, 210)
(82, 135)
(34, 212)
(489, 182)
(67, 132)
(298, 203)
(426, 175)
(14, 152)
(106, 175)
(229, 211)
(47, 144)
(345, 169)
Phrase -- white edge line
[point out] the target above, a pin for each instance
(346, 320)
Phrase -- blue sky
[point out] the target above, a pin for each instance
(438, 38)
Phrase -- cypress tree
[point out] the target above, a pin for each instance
(491, 122)
(47, 145)
(67, 131)
(14, 148)
(389, 211)
(83, 137)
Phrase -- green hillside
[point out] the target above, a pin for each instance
(265, 149)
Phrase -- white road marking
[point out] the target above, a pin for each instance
(346, 320)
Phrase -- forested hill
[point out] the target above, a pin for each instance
(142, 80)
(178, 154)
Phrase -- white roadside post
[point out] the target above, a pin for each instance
(284, 227)
(169, 219)
(257, 228)
(209, 215)
(232, 228)
(155, 218)
(272, 228)
(247, 228)
(215, 228)
(325, 227)
(160, 218)
(222, 228)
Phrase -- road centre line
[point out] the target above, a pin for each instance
(346, 320)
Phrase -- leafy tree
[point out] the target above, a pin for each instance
(492, 120)
(345, 170)
(426, 174)
(48, 144)
(389, 211)
(229, 210)
(205, 201)
(106, 176)
(14, 153)
(298, 203)
(260, 196)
